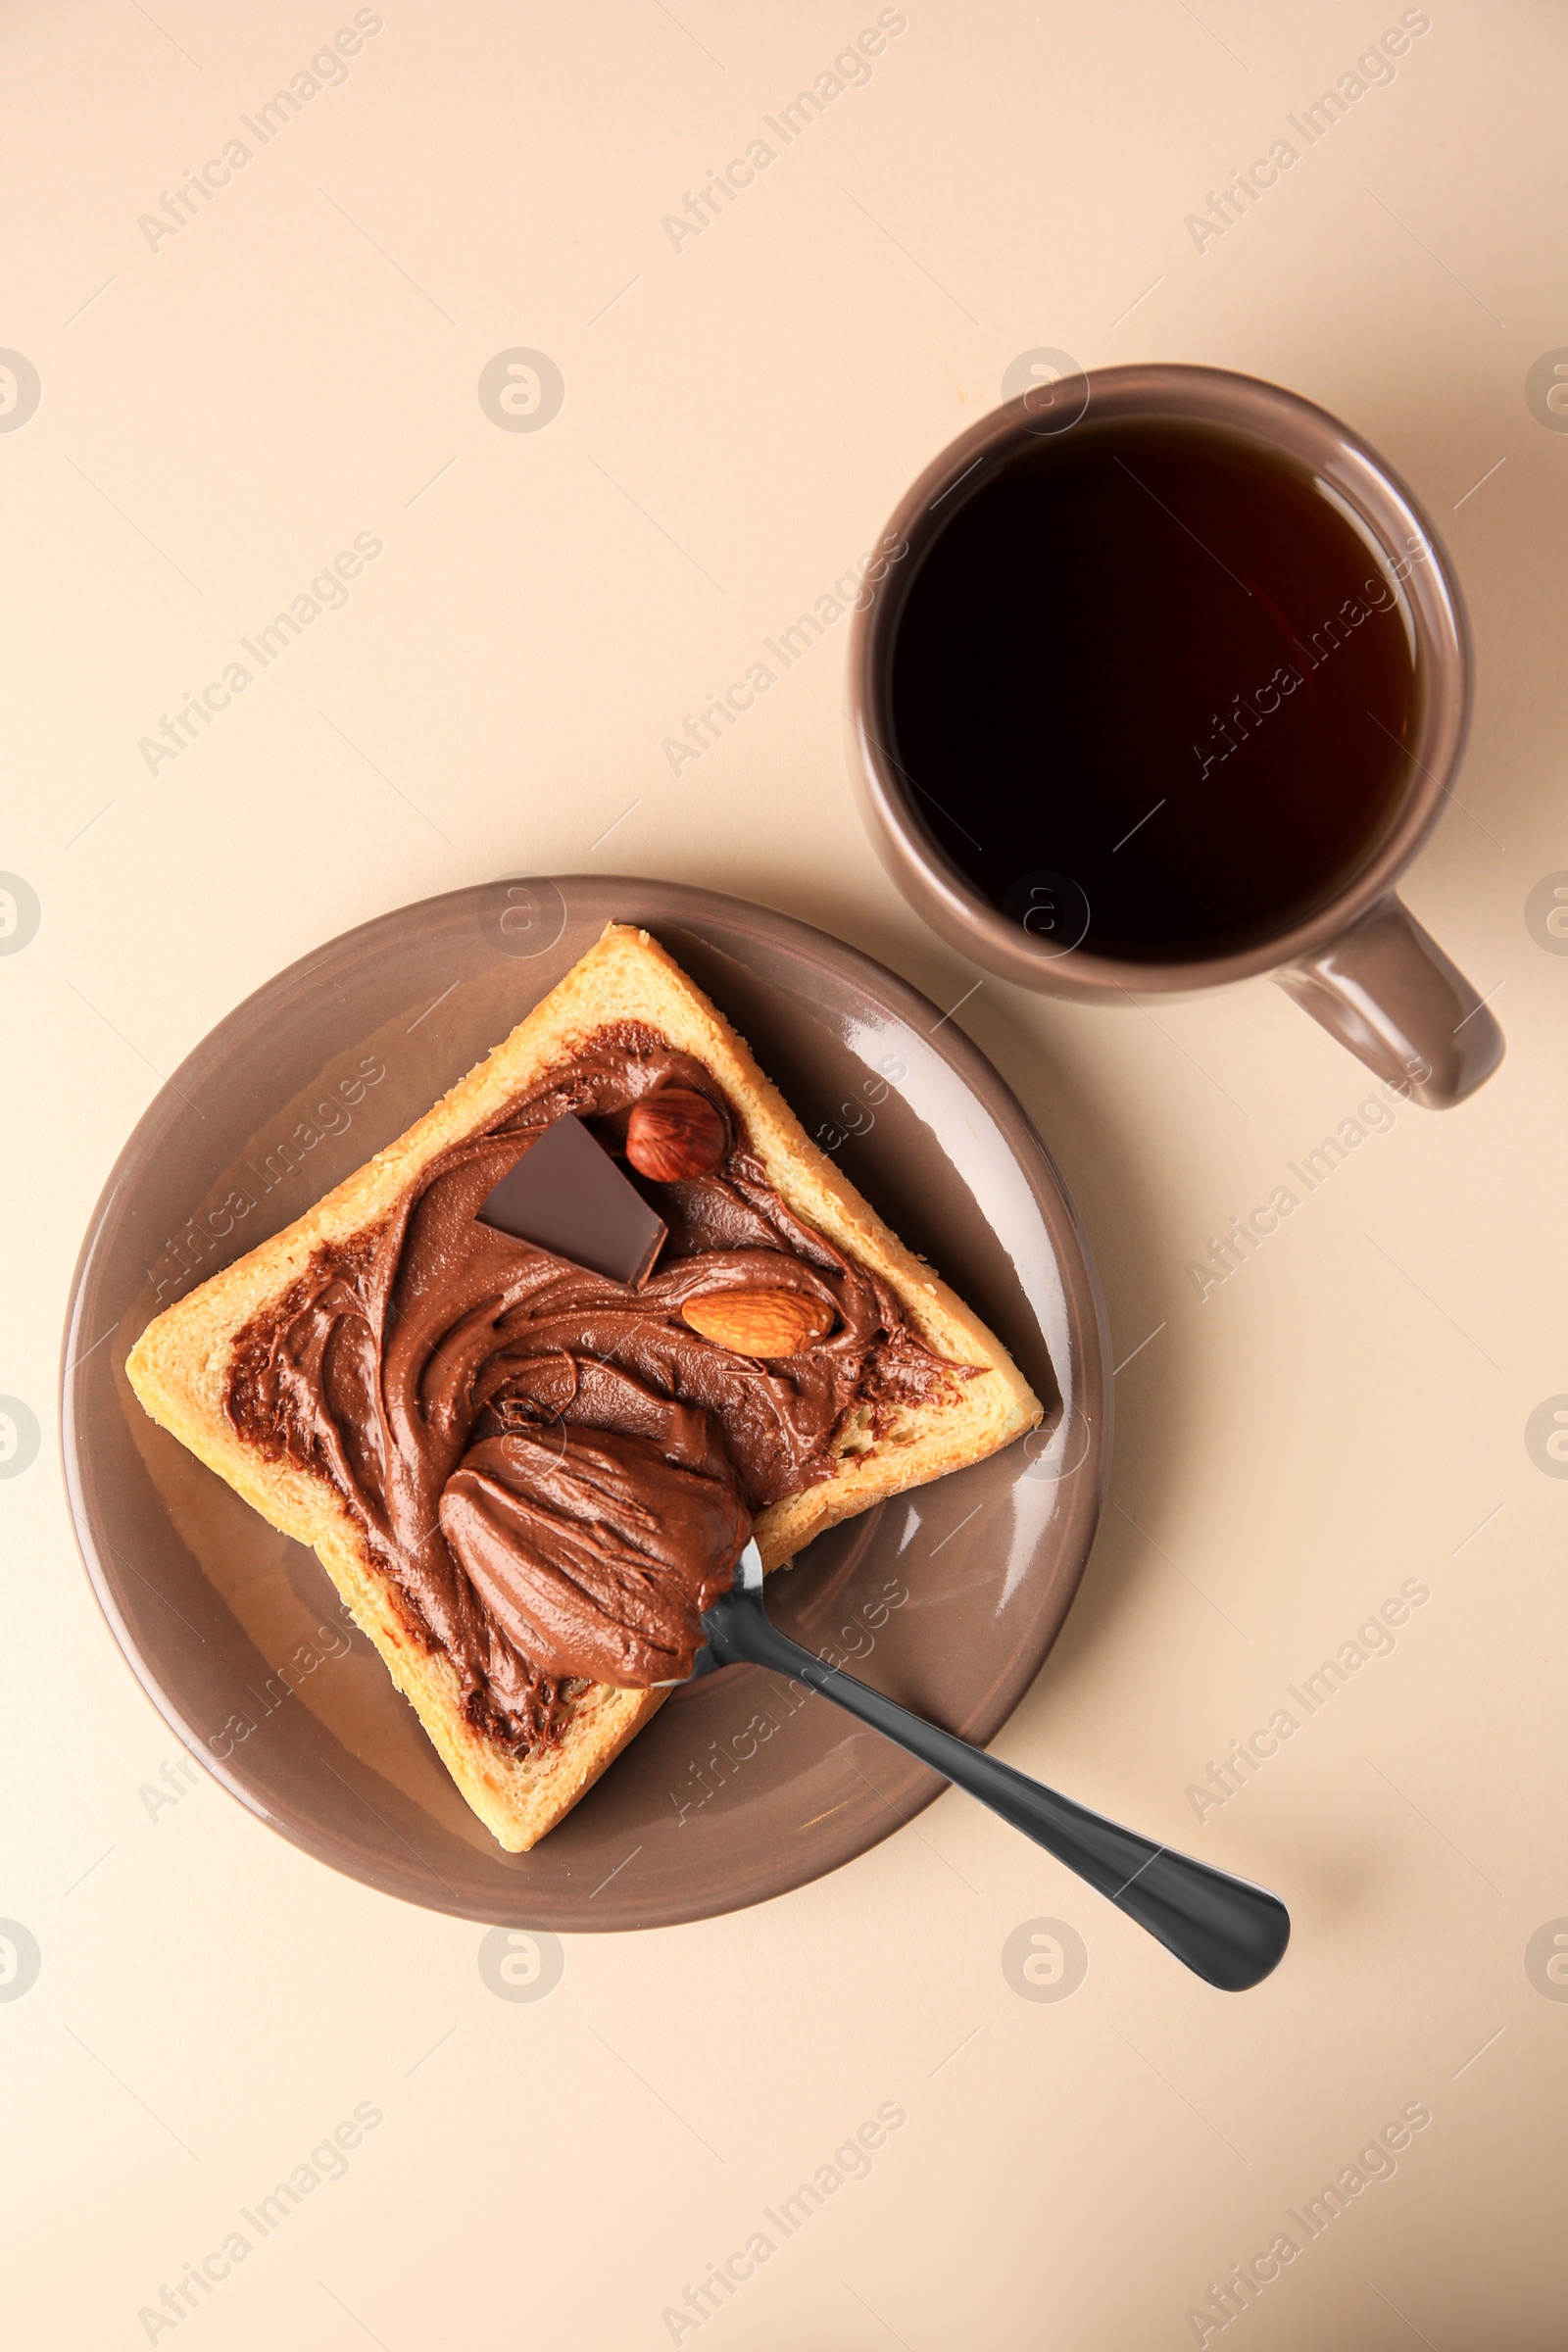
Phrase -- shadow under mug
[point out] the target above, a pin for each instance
(1362, 965)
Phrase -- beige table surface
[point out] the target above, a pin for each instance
(224, 407)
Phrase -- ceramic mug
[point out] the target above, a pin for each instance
(1362, 965)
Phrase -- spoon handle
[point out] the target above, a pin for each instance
(1226, 1929)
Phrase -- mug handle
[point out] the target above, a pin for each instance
(1385, 988)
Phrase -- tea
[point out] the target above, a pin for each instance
(1152, 687)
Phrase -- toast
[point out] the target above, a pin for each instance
(180, 1367)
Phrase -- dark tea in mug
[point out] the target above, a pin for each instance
(1150, 688)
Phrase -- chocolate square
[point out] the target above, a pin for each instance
(567, 1195)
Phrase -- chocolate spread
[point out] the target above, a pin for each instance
(555, 1470)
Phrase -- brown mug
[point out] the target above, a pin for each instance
(1362, 965)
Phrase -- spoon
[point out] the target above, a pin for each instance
(1227, 1931)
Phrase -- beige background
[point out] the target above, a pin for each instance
(299, 365)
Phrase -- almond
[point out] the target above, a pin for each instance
(674, 1133)
(764, 1323)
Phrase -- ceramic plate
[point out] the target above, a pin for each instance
(743, 1786)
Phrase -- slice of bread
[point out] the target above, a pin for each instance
(180, 1365)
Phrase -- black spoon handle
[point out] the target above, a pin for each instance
(1226, 1929)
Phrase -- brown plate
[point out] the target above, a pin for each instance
(742, 1787)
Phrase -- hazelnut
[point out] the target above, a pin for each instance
(674, 1133)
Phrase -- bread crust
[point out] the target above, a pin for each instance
(180, 1367)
